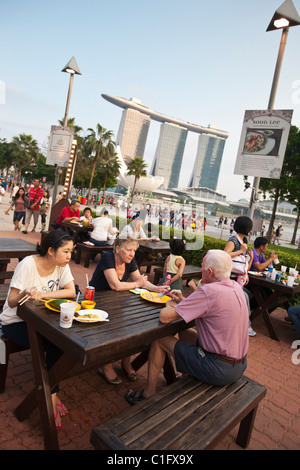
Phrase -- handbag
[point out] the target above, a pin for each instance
(240, 262)
(30, 202)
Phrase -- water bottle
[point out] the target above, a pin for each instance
(168, 279)
(166, 283)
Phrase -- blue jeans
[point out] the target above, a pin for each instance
(96, 243)
(294, 314)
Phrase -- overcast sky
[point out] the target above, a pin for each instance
(202, 62)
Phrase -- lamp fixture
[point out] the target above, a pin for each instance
(285, 16)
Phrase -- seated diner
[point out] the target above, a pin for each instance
(46, 275)
(117, 270)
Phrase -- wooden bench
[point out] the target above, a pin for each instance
(6, 345)
(84, 251)
(187, 415)
(4, 287)
(3, 267)
(190, 272)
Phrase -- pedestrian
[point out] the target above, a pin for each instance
(19, 204)
(45, 204)
(33, 208)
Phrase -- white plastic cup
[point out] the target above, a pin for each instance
(273, 274)
(67, 311)
(295, 273)
(290, 281)
(291, 271)
(283, 269)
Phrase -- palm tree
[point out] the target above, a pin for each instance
(26, 151)
(99, 144)
(110, 166)
(137, 168)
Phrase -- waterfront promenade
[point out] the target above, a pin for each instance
(91, 400)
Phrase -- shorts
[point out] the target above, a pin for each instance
(193, 360)
(18, 216)
(35, 213)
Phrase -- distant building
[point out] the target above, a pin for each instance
(169, 152)
(132, 134)
(208, 162)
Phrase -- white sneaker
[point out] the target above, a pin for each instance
(251, 332)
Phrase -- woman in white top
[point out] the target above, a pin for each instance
(48, 276)
(103, 229)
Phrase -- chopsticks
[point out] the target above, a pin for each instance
(24, 299)
(27, 297)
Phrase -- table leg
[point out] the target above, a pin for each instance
(41, 394)
(262, 309)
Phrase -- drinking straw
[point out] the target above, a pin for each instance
(87, 280)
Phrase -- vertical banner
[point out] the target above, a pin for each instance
(60, 144)
(263, 143)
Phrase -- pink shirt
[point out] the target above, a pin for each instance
(221, 316)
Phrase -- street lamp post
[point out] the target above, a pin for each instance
(71, 68)
(284, 17)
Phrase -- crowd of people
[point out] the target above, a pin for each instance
(31, 202)
(215, 351)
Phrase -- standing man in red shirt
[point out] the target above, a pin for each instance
(34, 196)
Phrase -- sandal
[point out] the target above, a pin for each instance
(58, 426)
(116, 381)
(130, 375)
(132, 398)
(64, 411)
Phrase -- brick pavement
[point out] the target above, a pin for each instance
(90, 399)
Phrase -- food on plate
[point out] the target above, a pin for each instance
(153, 297)
(86, 316)
(254, 143)
(55, 303)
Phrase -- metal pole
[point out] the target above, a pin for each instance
(256, 180)
(64, 125)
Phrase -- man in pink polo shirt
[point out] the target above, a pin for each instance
(215, 352)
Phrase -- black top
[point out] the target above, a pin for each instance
(107, 261)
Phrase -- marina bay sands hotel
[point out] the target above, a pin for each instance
(132, 137)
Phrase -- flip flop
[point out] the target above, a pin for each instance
(58, 426)
(132, 398)
(116, 381)
(61, 405)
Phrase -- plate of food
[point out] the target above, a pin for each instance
(258, 143)
(91, 316)
(153, 297)
(255, 273)
(54, 304)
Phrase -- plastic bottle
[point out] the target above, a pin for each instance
(168, 279)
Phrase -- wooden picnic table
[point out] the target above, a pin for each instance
(279, 294)
(76, 228)
(16, 248)
(152, 247)
(133, 325)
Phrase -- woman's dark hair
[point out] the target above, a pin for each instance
(20, 195)
(177, 246)
(243, 224)
(54, 240)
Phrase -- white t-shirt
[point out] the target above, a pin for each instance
(101, 226)
(129, 232)
(26, 276)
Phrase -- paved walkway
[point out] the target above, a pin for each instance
(91, 400)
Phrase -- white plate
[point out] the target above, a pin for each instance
(98, 315)
(255, 273)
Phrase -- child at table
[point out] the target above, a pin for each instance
(46, 275)
(174, 264)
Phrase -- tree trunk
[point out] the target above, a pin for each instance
(272, 220)
(92, 177)
(293, 240)
(104, 184)
(133, 189)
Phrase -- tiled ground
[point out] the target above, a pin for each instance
(90, 399)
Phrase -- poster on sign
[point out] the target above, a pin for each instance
(263, 143)
(60, 144)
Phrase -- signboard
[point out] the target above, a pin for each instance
(263, 143)
(60, 144)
